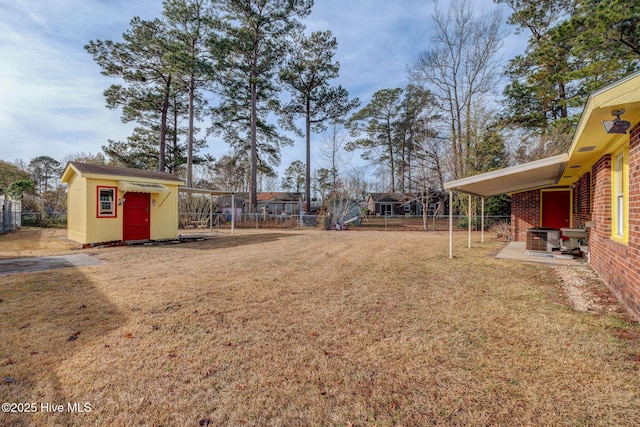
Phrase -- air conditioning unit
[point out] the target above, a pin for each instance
(543, 239)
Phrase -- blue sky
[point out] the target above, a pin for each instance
(51, 100)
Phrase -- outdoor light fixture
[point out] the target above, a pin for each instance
(616, 125)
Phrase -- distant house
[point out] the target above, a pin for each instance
(385, 204)
(402, 204)
(593, 190)
(106, 204)
(279, 202)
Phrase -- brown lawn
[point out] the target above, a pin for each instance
(277, 327)
(34, 242)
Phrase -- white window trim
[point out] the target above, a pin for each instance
(107, 213)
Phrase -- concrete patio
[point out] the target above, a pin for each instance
(517, 251)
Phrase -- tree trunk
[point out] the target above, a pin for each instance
(409, 162)
(173, 167)
(253, 169)
(334, 168)
(424, 199)
(190, 136)
(562, 96)
(307, 183)
(163, 126)
(392, 181)
(403, 168)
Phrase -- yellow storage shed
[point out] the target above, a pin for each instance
(110, 204)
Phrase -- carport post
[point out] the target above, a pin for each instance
(469, 220)
(210, 213)
(233, 213)
(450, 224)
(482, 220)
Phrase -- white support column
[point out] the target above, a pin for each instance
(482, 221)
(210, 213)
(233, 213)
(450, 224)
(469, 220)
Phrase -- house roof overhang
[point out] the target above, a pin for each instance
(590, 142)
(527, 176)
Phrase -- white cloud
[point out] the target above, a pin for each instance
(51, 100)
(51, 89)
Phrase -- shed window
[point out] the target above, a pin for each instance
(106, 202)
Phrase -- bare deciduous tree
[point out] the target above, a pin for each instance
(460, 71)
(333, 151)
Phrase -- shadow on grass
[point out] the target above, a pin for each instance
(45, 319)
(34, 242)
(229, 241)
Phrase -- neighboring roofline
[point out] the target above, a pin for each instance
(205, 191)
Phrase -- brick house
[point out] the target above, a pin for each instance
(595, 185)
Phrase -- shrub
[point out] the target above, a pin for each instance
(502, 230)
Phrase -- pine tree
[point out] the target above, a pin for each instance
(191, 23)
(307, 75)
(141, 60)
(294, 177)
(379, 120)
(252, 47)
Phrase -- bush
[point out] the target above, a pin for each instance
(502, 230)
(489, 223)
(463, 223)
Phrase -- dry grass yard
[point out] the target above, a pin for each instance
(308, 328)
(34, 242)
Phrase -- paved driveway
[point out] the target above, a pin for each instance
(27, 265)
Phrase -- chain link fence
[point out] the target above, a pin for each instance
(202, 220)
(47, 220)
(10, 214)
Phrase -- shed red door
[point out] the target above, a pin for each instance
(556, 209)
(136, 217)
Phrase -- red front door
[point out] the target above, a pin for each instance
(556, 209)
(136, 217)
